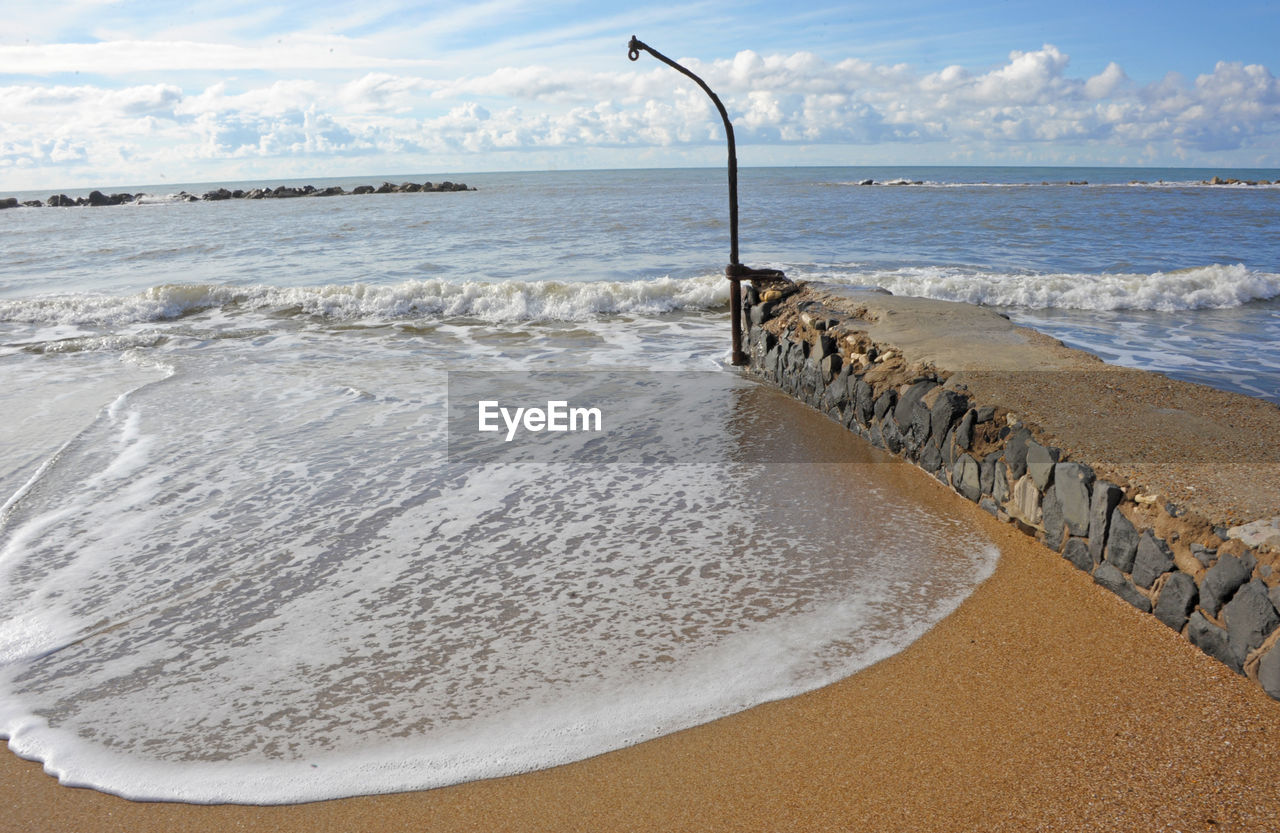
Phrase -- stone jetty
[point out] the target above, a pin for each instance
(97, 198)
(1166, 493)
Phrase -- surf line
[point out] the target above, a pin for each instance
(557, 416)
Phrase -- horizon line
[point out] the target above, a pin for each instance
(387, 177)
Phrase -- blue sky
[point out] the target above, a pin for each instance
(106, 92)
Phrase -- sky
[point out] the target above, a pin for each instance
(95, 93)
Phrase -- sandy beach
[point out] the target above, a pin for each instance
(1069, 712)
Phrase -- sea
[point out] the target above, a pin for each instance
(251, 550)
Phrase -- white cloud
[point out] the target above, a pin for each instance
(1024, 109)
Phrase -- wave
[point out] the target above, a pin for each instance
(1216, 286)
(436, 299)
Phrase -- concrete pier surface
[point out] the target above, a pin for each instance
(1165, 492)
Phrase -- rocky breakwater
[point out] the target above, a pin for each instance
(1166, 493)
(97, 198)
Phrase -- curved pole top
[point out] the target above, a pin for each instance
(634, 47)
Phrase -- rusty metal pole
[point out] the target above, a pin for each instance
(735, 271)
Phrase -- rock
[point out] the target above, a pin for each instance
(904, 414)
(60, 201)
(220, 194)
(985, 414)
(964, 431)
(841, 389)
(409, 188)
(1015, 452)
(1109, 577)
(9, 202)
(966, 479)
(891, 437)
(1106, 496)
(867, 182)
(865, 402)
(97, 198)
(1223, 580)
(884, 405)
(1258, 533)
(385, 188)
(931, 459)
(33, 203)
(331, 191)
(1250, 619)
(1211, 639)
(1122, 541)
(761, 313)
(1040, 462)
(1176, 600)
(989, 464)
(946, 409)
(1153, 560)
(362, 189)
(1051, 511)
(1000, 488)
(1072, 482)
(1025, 504)
(905, 408)
(1203, 554)
(1269, 672)
(1077, 552)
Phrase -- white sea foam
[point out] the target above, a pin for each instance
(504, 301)
(1216, 286)
(260, 583)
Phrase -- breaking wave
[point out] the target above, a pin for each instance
(496, 302)
(1217, 286)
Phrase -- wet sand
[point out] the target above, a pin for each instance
(1043, 703)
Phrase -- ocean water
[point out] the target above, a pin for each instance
(246, 557)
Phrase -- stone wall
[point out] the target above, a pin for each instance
(1221, 591)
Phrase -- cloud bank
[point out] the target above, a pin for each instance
(1029, 108)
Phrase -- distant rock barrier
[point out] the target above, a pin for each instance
(1217, 180)
(1217, 586)
(97, 198)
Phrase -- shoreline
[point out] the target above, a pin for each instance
(1074, 712)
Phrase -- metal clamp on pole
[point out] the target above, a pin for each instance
(735, 271)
